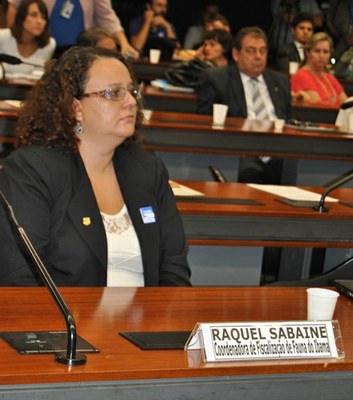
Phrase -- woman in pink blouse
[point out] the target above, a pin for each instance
(311, 82)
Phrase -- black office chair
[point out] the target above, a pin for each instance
(342, 271)
(217, 174)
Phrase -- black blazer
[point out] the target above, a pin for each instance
(288, 52)
(53, 200)
(224, 85)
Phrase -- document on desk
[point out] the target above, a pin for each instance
(13, 103)
(181, 190)
(291, 192)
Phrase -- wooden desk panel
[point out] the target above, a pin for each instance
(194, 132)
(123, 370)
(270, 224)
(160, 100)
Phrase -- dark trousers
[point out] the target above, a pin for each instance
(254, 170)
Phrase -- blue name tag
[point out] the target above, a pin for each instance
(147, 215)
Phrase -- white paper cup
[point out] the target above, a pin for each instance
(278, 124)
(219, 114)
(155, 55)
(147, 114)
(321, 304)
(293, 67)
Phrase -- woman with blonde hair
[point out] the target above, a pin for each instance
(312, 82)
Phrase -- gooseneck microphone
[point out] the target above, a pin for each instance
(6, 58)
(71, 357)
(339, 182)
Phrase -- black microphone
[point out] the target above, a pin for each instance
(71, 357)
(339, 182)
(16, 61)
(346, 105)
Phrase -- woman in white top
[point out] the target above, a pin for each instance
(28, 38)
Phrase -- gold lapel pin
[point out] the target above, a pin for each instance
(86, 221)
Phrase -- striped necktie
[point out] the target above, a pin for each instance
(258, 104)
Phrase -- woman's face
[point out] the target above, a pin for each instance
(34, 23)
(319, 56)
(212, 50)
(107, 122)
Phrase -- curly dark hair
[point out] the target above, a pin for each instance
(47, 116)
(21, 15)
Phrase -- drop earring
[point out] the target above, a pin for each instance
(78, 128)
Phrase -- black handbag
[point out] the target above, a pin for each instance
(186, 74)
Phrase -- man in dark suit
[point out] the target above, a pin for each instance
(302, 28)
(234, 85)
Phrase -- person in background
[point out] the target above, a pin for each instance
(97, 37)
(151, 26)
(214, 21)
(244, 86)
(216, 48)
(69, 18)
(97, 207)
(28, 39)
(283, 12)
(340, 18)
(195, 33)
(302, 28)
(312, 83)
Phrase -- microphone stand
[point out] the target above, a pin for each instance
(321, 206)
(71, 357)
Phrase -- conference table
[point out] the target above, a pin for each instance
(121, 370)
(167, 100)
(160, 100)
(188, 143)
(238, 215)
(305, 150)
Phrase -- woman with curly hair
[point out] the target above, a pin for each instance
(97, 207)
(28, 39)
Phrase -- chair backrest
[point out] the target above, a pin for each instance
(217, 174)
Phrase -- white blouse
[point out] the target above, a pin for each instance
(41, 56)
(124, 254)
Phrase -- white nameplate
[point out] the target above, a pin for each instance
(267, 340)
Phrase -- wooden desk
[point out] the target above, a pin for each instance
(169, 132)
(121, 370)
(326, 114)
(160, 100)
(185, 132)
(175, 136)
(15, 89)
(265, 220)
(145, 71)
(209, 226)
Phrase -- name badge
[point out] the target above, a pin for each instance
(147, 215)
(267, 340)
(67, 9)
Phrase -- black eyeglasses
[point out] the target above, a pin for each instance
(116, 94)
